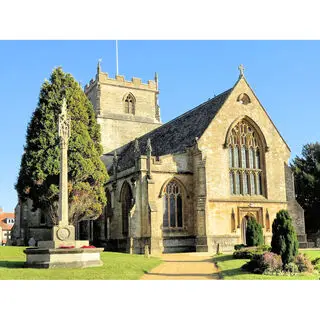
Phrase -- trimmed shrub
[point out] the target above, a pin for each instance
(291, 268)
(254, 234)
(284, 238)
(253, 265)
(303, 262)
(264, 248)
(239, 246)
(246, 253)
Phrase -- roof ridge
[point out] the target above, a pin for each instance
(191, 110)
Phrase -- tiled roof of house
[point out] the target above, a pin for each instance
(3, 224)
(174, 136)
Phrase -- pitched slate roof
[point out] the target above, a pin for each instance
(172, 137)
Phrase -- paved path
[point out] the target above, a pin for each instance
(184, 266)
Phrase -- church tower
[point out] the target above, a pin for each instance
(125, 109)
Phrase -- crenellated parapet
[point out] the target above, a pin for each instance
(120, 81)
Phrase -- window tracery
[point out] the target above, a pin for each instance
(245, 168)
(172, 206)
(129, 104)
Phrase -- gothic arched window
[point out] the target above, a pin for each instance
(172, 206)
(126, 206)
(129, 103)
(245, 150)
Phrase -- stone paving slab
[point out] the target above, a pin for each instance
(184, 266)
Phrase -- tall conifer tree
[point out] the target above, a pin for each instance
(307, 184)
(284, 238)
(38, 178)
(254, 233)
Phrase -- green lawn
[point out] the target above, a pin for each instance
(230, 269)
(115, 266)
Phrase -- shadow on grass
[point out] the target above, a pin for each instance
(222, 258)
(192, 261)
(234, 272)
(11, 264)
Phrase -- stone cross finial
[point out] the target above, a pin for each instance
(241, 69)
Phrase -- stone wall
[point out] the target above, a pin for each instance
(116, 132)
(108, 98)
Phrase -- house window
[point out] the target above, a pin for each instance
(172, 203)
(245, 168)
(129, 104)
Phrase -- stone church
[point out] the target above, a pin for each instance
(186, 185)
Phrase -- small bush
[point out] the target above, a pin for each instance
(264, 248)
(253, 265)
(249, 252)
(266, 263)
(270, 262)
(239, 246)
(291, 268)
(303, 262)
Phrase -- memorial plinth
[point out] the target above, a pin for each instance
(63, 258)
(58, 252)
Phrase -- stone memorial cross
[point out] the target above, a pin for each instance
(64, 135)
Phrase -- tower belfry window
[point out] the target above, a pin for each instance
(129, 104)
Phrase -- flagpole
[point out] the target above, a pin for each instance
(117, 71)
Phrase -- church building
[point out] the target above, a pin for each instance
(189, 184)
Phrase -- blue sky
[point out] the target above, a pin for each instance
(283, 74)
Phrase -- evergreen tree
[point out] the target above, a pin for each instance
(38, 178)
(307, 184)
(284, 238)
(254, 233)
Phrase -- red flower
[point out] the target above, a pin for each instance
(87, 247)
